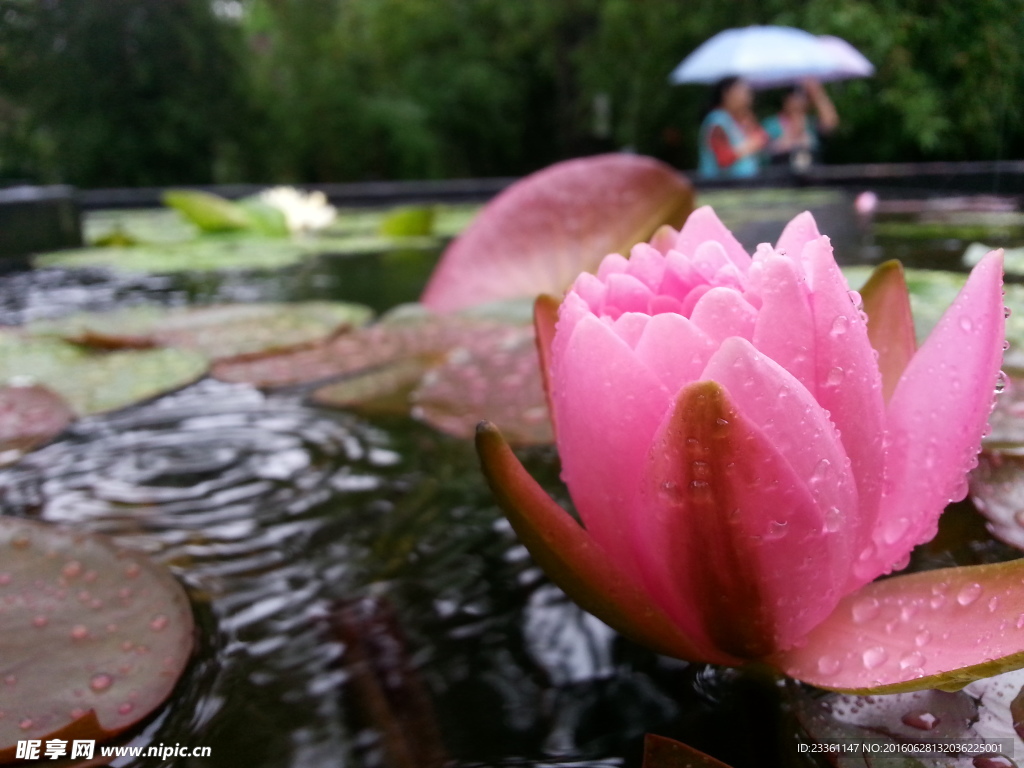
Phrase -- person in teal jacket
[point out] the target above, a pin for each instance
(793, 133)
(730, 137)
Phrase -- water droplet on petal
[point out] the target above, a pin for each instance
(966, 324)
(911, 660)
(865, 609)
(968, 594)
(923, 638)
(125, 708)
(40, 621)
(839, 325)
(101, 682)
(25, 724)
(835, 377)
(828, 665)
(159, 623)
(833, 520)
(1000, 382)
(875, 657)
(71, 570)
(79, 632)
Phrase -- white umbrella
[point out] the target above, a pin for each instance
(770, 56)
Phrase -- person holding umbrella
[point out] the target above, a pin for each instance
(793, 133)
(730, 137)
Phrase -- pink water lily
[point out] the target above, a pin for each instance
(749, 447)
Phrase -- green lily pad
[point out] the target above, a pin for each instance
(209, 212)
(92, 638)
(931, 293)
(215, 331)
(91, 381)
(223, 253)
(1013, 258)
(409, 221)
(30, 416)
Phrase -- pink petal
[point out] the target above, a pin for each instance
(630, 326)
(733, 542)
(545, 319)
(849, 385)
(571, 558)
(646, 265)
(591, 290)
(541, 232)
(691, 299)
(798, 233)
(680, 277)
(664, 238)
(703, 226)
(937, 414)
(607, 405)
(612, 264)
(675, 349)
(723, 312)
(708, 258)
(785, 326)
(800, 430)
(931, 629)
(626, 294)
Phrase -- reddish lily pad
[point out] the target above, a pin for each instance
(215, 331)
(660, 752)
(541, 232)
(90, 381)
(452, 371)
(30, 416)
(498, 380)
(92, 638)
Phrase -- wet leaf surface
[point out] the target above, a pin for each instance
(92, 638)
(452, 371)
(29, 416)
(660, 752)
(216, 331)
(540, 233)
(92, 382)
(223, 253)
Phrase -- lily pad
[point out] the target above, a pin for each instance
(540, 233)
(1013, 258)
(212, 213)
(91, 381)
(214, 331)
(932, 292)
(921, 718)
(497, 379)
(409, 221)
(30, 416)
(93, 638)
(223, 253)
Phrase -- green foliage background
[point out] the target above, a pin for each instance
(135, 92)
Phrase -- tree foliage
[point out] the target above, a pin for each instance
(176, 91)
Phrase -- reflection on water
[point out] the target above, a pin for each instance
(359, 595)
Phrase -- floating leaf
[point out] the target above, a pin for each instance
(92, 382)
(224, 253)
(216, 331)
(660, 752)
(264, 218)
(92, 638)
(932, 292)
(540, 233)
(922, 717)
(30, 416)
(409, 221)
(209, 212)
(495, 378)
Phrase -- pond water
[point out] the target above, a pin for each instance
(361, 599)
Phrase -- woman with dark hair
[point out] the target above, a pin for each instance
(730, 137)
(793, 132)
